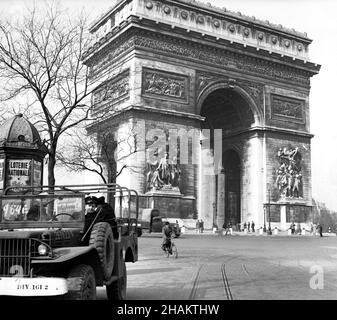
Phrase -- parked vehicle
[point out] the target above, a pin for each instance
(180, 223)
(151, 220)
(45, 249)
(158, 223)
(146, 217)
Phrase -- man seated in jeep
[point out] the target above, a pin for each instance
(107, 214)
(167, 235)
(96, 210)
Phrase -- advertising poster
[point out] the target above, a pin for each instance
(19, 172)
(37, 173)
(2, 165)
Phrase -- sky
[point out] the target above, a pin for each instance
(318, 19)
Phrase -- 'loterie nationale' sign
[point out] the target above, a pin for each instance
(19, 172)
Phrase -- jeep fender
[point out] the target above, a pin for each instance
(69, 256)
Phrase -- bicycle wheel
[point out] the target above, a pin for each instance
(174, 251)
(165, 251)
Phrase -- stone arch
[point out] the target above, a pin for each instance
(256, 111)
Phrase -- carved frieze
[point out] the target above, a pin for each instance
(111, 91)
(199, 53)
(220, 57)
(161, 84)
(287, 108)
(120, 46)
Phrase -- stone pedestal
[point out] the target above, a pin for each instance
(283, 224)
(171, 203)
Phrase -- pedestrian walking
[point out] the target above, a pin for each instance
(248, 226)
(319, 229)
(253, 226)
(299, 230)
(230, 228)
(224, 229)
(201, 226)
(197, 226)
(292, 227)
(227, 228)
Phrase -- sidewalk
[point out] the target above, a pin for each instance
(256, 233)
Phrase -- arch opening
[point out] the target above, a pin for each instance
(228, 110)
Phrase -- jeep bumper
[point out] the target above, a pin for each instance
(28, 287)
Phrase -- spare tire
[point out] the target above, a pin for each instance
(101, 238)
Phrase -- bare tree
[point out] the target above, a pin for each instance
(40, 59)
(100, 153)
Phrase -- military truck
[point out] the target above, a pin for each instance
(45, 250)
(151, 220)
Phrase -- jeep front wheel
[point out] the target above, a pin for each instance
(81, 283)
(117, 290)
(101, 238)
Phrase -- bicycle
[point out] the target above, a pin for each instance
(171, 250)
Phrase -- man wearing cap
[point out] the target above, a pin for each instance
(91, 211)
(103, 211)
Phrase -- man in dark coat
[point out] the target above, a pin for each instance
(253, 226)
(167, 236)
(320, 229)
(107, 214)
(99, 211)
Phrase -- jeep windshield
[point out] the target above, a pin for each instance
(26, 211)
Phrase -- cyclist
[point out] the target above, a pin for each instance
(167, 235)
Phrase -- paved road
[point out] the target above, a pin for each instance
(235, 267)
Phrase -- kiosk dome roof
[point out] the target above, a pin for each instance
(19, 129)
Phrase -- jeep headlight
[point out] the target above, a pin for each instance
(42, 249)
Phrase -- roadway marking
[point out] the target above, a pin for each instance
(225, 281)
(195, 284)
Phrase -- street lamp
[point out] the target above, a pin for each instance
(214, 214)
(264, 220)
(269, 228)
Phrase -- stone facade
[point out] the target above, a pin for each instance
(167, 68)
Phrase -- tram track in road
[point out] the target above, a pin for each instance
(195, 284)
(225, 282)
(243, 266)
(207, 273)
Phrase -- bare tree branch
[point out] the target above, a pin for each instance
(40, 59)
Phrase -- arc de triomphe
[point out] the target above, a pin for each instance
(219, 102)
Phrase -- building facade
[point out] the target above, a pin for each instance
(211, 109)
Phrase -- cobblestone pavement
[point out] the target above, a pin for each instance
(235, 267)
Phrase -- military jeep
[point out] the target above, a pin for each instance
(46, 251)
